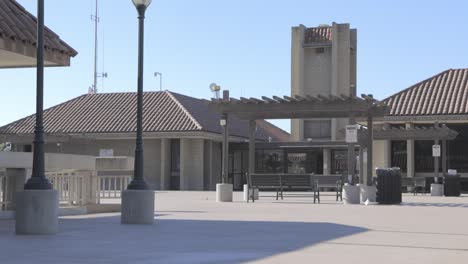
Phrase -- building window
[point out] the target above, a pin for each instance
(317, 129)
(424, 162)
(399, 154)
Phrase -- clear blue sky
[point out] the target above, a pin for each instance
(243, 45)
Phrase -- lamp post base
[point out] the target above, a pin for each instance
(37, 212)
(137, 207)
(224, 192)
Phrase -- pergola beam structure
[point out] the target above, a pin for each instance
(416, 133)
(288, 107)
(291, 107)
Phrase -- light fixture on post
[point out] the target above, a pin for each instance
(37, 205)
(156, 74)
(215, 89)
(224, 189)
(138, 199)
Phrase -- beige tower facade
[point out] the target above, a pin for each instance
(323, 62)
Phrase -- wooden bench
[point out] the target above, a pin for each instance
(330, 181)
(282, 182)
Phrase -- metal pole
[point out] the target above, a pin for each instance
(444, 157)
(160, 81)
(225, 150)
(38, 180)
(96, 21)
(351, 154)
(252, 127)
(138, 182)
(370, 136)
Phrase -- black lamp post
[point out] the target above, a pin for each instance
(138, 182)
(38, 180)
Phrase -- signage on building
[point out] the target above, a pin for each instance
(351, 134)
(436, 150)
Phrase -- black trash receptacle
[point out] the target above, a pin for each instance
(452, 185)
(388, 186)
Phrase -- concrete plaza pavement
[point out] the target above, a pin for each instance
(192, 228)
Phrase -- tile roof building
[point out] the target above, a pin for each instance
(112, 113)
(182, 135)
(18, 32)
(441, 95)
(439, 100)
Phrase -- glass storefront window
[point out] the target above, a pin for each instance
(457, 149)
(269, 161)
(297, 162)
(399, 154)
(424, 162)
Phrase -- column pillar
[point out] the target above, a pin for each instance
(165, 164)
(436, 162)
(444, 156)
(326, 161)
(410, 168)
(361, 164)
(351, 155)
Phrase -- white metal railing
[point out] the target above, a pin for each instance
(74, 187)
(81, 187)
(111, 186)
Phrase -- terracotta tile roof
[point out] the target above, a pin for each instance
(443, 94)
(18, 24)
(116, 113)
(318, 35)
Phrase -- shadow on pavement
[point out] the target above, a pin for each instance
(105, 240)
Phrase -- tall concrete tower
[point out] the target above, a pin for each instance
(323, 61)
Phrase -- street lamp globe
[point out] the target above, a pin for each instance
(141, 3)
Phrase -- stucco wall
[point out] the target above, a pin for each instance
(122, 147)
(381, 154)
(191, 164)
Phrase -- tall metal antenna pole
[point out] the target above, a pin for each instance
(96, 21)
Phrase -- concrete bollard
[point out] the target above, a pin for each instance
(224, 192)
(37, 212)
(247, 193)
(351, 194)
(137, 207)
(437, 189)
